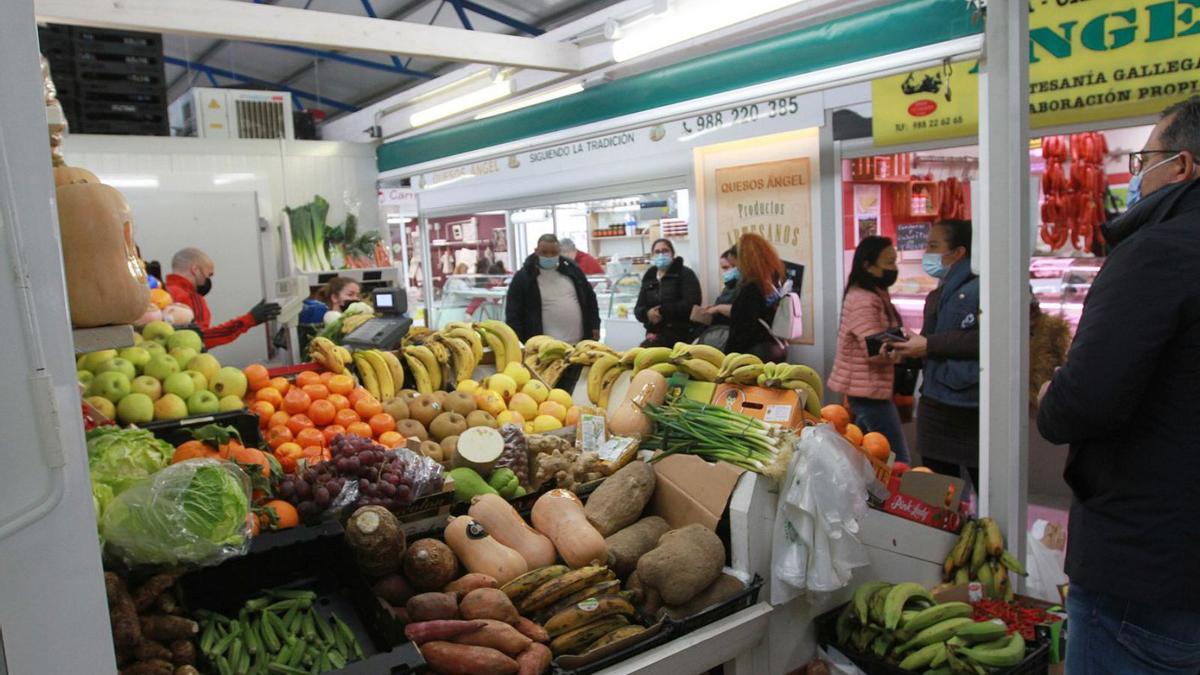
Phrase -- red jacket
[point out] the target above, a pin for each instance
(183, 291)
(588, 263)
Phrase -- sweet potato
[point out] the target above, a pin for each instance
(471, 582)
(629, 544)
(428, 631)
(620, 499)
(432, 607)
(497, 635)
(488, 603)
(151, 667)
(535, 660)
(685, 562)
(183, 653)
(724, 588)
(532, 630)
(447, 657)
(169, 628)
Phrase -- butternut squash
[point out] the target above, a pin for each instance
(70, 175)
(105, 283)
(503, 522)
(628, 419)
(480, 552)
(559, 515)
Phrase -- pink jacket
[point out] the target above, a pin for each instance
(854, 373)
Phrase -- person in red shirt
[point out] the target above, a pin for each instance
(586, 261)
(191, 279)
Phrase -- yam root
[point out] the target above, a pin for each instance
(724, 588)
(532, 630)
(685, 562)
(148, 650)
(147, 593)
(488, 603)
(620, 499)
(497, 635)
(471, 582)
(432, 607)
(186, 670)
(428, 631)
(126, 630)
(151, 667)
(168, 628)
(628, 545)
(166, 604)
(447, 657)
(183, 653)
(535, 660)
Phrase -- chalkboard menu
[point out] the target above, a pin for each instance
(911, 236)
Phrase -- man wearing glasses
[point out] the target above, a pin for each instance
(1128, 403)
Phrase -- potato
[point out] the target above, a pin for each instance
(620, 499)
(497, 635)
(432, 607)
(447, 657)
(724, 588)
(685, 562)
(631, 543)
(535, 660)
(488, 603)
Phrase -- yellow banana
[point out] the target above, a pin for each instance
(512, 344)
(596, 375)
(351, 322)
(706, 352)
(366, 373)
(552, 350)
(606, 385)
(383, 374)
(735, 362)
(650, 356)
(799, 371)
(420, 374)
(497, 345)
(427, 359)
(629, 356)
(323, 351)
(665, 369)
(471, 337)
(747, 374)
(343, 354)
(462, 357)
(455, 325)
(394, 367)
(699, 369)
(534, 343)
(440, 351)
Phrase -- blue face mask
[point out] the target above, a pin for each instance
(661, 260)
(548, 263)
(731, 274)
(932, 263)
(1135, 183)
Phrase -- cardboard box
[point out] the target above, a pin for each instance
(691, 490)
(784, 407)
(928, 498)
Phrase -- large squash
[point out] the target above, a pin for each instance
(70, 175)
(105, 283)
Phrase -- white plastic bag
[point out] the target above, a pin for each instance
(1045, 561)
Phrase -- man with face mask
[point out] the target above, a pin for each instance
(550, 295)
(948, 411)
(1126, 401)
(191, 279)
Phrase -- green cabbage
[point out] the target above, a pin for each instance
(117, 457)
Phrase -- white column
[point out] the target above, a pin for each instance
(1004, 256)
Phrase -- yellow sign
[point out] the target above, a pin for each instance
(926, 105)
(1089, 60)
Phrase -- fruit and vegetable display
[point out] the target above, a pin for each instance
(980, 555)
(317, 246)
(152, 634)
(903, 624)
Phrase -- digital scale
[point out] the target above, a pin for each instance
(388, 327)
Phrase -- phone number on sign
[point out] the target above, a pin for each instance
(743, 114)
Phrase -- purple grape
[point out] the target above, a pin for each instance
(388, 489)
(307, 508)
(287, 488)
(354, 465)
(403, 493)
(303, 489)
(363, 484)
(391, 478)
(321, 496)
(334, 488)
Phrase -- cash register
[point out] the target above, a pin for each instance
(388, 327)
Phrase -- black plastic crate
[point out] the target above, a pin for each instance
(117, 42)
(325, 566)
(1037, 654)
(80, 125)
(122, 82)
(269, 539)
(98, 62)
(177, 431)
(571, 666)
(743, 600)
(151, 101)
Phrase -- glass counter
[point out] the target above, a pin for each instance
(479, 297)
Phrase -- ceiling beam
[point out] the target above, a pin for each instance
(321, 30)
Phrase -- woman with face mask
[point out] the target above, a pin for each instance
(669, 292)
(866, 379)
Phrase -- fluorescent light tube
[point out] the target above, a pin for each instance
(460, 103)
(550, 95)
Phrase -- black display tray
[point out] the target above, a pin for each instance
(178, 431)
(743, 600)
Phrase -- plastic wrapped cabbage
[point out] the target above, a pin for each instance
(119, 458)
(193, 512)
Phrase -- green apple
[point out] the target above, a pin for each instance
(103, 406)
(153, 348)
(187, 339)
(119, 365)
(84, 376)
(112, 385)
(161, 366)
(180, 384)
(144, 384)
(161, 341)
(198, 379)
(182, 355)
(205, 364)
(93, 360)
(135, 409)
(203, 403)
(170, 407)
(138, 339)
(230, 403)
(229, 381)
(137, 356)
(157, 329)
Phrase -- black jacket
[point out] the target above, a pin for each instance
(747, 335)
(1128, 403)
(675, 295)
(523, 306)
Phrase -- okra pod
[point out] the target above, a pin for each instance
(209, 637)
(258, 604)
(225, 642)
(294, 624)
(288, 617)
(277, 626)
(270, 638)
(235, 652)
(298, 652)
(223, 666)
(323, 628)
(336, 660)
(285, 653)
(243, 664)
(285, 670)
(286, 605)
(310, 628)
(292, 594)
(250, 636)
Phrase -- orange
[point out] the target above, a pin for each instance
(836, 415)
(278, 419)
(346, 417)
(285, 514)
(256, 376)
(322, 412)
(287, 454)
(356, 395)
(280, 384)
(270, 395)
(332, 430)
(307, 377)
(326, 376)
(317, 392)
(340, 384)
(854, 434)
(297, 423)
(360, 429)
(296, 401)
(277, 436)
(264, 411)
(391, 439)
(368, 407)
(247, 457)
(313, 454)
(339, 402)
(253, 523)
(876, 445)
(381, 423)
(311, 436)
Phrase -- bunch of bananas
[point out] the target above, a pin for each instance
(427, 362)
(699, 362)
(547, 357)
(980, 556)
(905, 624)
(333, 358)
(582, 609)
(748, 369)
(588, 352)
(464, 346)
(380, 372)
(502, 340)
(602, 374)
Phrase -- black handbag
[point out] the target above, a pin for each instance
(904, 383)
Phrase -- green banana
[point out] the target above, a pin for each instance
(938, 632)
(962, 576)
(982, 631)
(875, 609)
(935, 615)
(1000, 579)
(995, 540)
(862, 598)
(845, 624)
(922, 657)
(984, 577)
(1010, 561)
(960, 555)
(895, 600)
(1010, 654)
(978, 550)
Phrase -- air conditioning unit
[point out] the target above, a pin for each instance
(232, 113)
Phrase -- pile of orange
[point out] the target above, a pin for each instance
(299, 418)
(874, 443)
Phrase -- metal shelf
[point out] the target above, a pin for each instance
(104, 337)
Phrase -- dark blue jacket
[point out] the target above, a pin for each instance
(951, 328)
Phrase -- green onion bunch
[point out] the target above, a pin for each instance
(684, 426)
